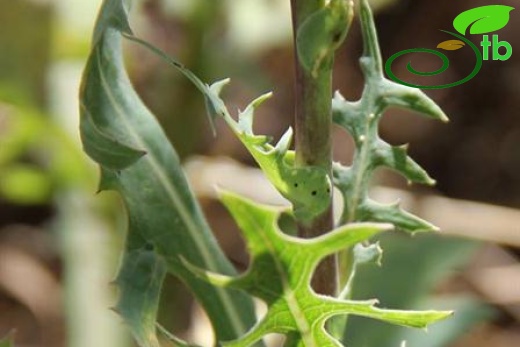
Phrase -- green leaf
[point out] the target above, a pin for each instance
(469, 313)
(137, 161)
(103, 148)
(280, 273)
(139, 281)
(307, 188)
(361, 119)
(483, 19)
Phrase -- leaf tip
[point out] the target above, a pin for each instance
(219, 85)
(260, 100)
(443, 117)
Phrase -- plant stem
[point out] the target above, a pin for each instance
(313, 137)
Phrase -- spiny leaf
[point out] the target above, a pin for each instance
(396, 158)
(451, 45)
(165, 221)
(361, 119)
(368, 254)
(373, 211)
(280, 274)
(483, 19)
(307, 188)
(395, 94)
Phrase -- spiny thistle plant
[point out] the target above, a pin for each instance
(167, 230)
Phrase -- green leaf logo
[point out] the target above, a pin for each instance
(483, 20)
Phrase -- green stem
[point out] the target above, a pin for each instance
(313, 137)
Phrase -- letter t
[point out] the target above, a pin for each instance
(485, 47)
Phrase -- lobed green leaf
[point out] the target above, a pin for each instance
(280, 274)
(307, 188)
(361, 119)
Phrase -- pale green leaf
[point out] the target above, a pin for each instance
(483, 19)
(361, 119)
(280, 273)
(165, 221)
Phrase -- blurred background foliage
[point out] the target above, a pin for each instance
(59, 242)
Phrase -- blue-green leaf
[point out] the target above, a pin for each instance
(165, 221)
(361, 119)
(139, 281)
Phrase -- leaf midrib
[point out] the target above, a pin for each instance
(288, 294)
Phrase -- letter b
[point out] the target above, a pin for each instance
(497, 44)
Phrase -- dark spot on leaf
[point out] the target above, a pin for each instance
(328, 190)
(314, 192)
(295, 185)
(149, 247)
(337, 36)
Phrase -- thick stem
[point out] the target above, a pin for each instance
(313, 137)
